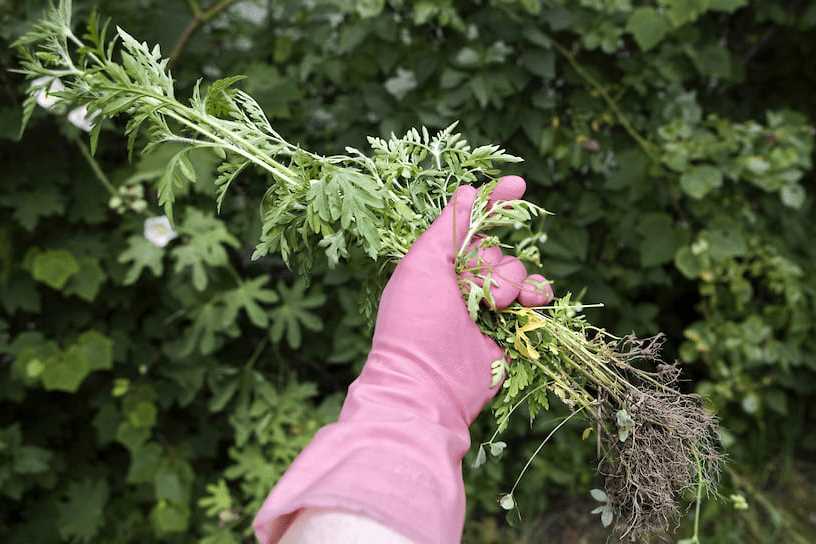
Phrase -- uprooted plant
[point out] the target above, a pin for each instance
(654, 442)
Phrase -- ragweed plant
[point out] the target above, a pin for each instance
(653, 441)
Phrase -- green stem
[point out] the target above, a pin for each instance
(540, 446)
(259, 349)
(97, 170)
(645, 144)
(249, 151)
(513, 409)
(699, 499)
(195, 8)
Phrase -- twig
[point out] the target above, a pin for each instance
(199, 18)
(647, 146)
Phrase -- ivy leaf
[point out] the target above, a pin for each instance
(141, 254)
(54, 267)
(648, 26)
(293, 313)
(82, 514)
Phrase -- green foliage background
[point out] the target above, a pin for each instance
(156, 395)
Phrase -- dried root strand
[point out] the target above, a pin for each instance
(670, 445)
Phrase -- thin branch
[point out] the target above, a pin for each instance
(648, 147)
(199, 18)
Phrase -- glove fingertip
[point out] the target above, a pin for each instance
(508, 276)
(508, 188)
(536, 291)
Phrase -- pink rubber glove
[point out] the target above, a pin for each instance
(395, 453)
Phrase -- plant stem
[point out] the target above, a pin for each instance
(199, 18)
(195, 8)
(699, 499)
(647, 146)
(540, 446)
(513, 409)
(97, 170)
(259, 349)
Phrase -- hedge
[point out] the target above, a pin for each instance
(155, 394)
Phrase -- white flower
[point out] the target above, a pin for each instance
(47, 85)
(79, 118)
(158, 231)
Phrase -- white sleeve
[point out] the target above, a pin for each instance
(318, 526)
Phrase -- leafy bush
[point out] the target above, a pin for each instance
(153, 393)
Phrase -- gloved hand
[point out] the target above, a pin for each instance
(395, 453)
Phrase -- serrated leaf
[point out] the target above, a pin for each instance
(82, 514)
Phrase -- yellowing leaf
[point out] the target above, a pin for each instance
(522, 342)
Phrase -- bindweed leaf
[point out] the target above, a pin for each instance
(496, 448)
(599, 495)
(606, 516)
